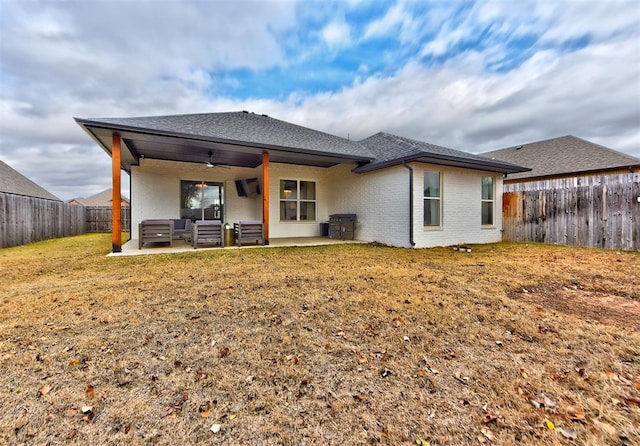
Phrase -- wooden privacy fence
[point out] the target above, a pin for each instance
(596, 215)
(28, 219)
(99, 218)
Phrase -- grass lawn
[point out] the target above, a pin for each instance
(349, 344)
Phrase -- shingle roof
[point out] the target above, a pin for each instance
(562, 156)
(13, 182)
(104, 198)
(392, 150)
(242, 131)
(243, 127)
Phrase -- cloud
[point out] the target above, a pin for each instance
(336, 34)
(472, 76)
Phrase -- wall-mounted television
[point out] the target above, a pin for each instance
(248, 187)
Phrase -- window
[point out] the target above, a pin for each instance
(432, 198)
(297, 200)
(487, 201)
(201, 200)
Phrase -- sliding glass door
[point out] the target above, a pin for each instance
(201, 200)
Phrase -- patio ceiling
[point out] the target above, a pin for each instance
(140, 143)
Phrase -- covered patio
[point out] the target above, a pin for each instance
(166, 155)
(130, 248)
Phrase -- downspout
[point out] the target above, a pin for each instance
(411, 241)
(130, 174)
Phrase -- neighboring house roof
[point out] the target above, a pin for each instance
(13, 182)
(104, 198)
(392, 150)
(238, 138)
(567, 155)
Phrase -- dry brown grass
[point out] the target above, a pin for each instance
(328, 345)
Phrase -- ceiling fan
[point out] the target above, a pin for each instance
(211, 164)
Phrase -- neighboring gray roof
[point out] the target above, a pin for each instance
(392, 150)
(13, 182)
(104, 198)
(566, 155)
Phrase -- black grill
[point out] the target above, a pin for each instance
(342, 226)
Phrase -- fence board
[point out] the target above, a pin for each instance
(99, 218)
(28, 219)
(601, 212)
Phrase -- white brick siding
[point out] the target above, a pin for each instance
(379, 198)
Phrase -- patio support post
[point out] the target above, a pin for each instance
(116, 225)
(265, 195)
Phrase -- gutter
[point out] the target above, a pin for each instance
(411, 241)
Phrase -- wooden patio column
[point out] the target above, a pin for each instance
(265, 195)
(116, 225)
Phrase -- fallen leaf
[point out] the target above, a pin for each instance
(215, 428)
(224, 351)
(127, 429)
(549, 424)
(232, 416)
(205, 413)
(631, 401)
(490, 416)
(459, 377)
(568, 433)
(548, 402)
(87, 411)
(44, 389)
(537, 404)
(576, 413)
(523, 373)
(362, 358)
(21, 421)
(74, 363)
(90, 391)
(422, 442)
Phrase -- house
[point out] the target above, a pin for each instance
(13, 182)
(30, 213)
(567, 160)
(101, 199)
(576, 193)
(405, 193)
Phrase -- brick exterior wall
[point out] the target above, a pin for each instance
(379, 198)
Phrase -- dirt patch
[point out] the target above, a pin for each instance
(589, 305)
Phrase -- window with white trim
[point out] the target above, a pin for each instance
(297, 200)
(432, 198)
(488, 199)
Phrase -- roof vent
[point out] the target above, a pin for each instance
(519, 147)
(244, 111)
(266, 116)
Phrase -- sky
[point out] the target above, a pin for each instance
(469, 75)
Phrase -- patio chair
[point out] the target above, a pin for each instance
(155, 231)
(249, 231)
(207, 232)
